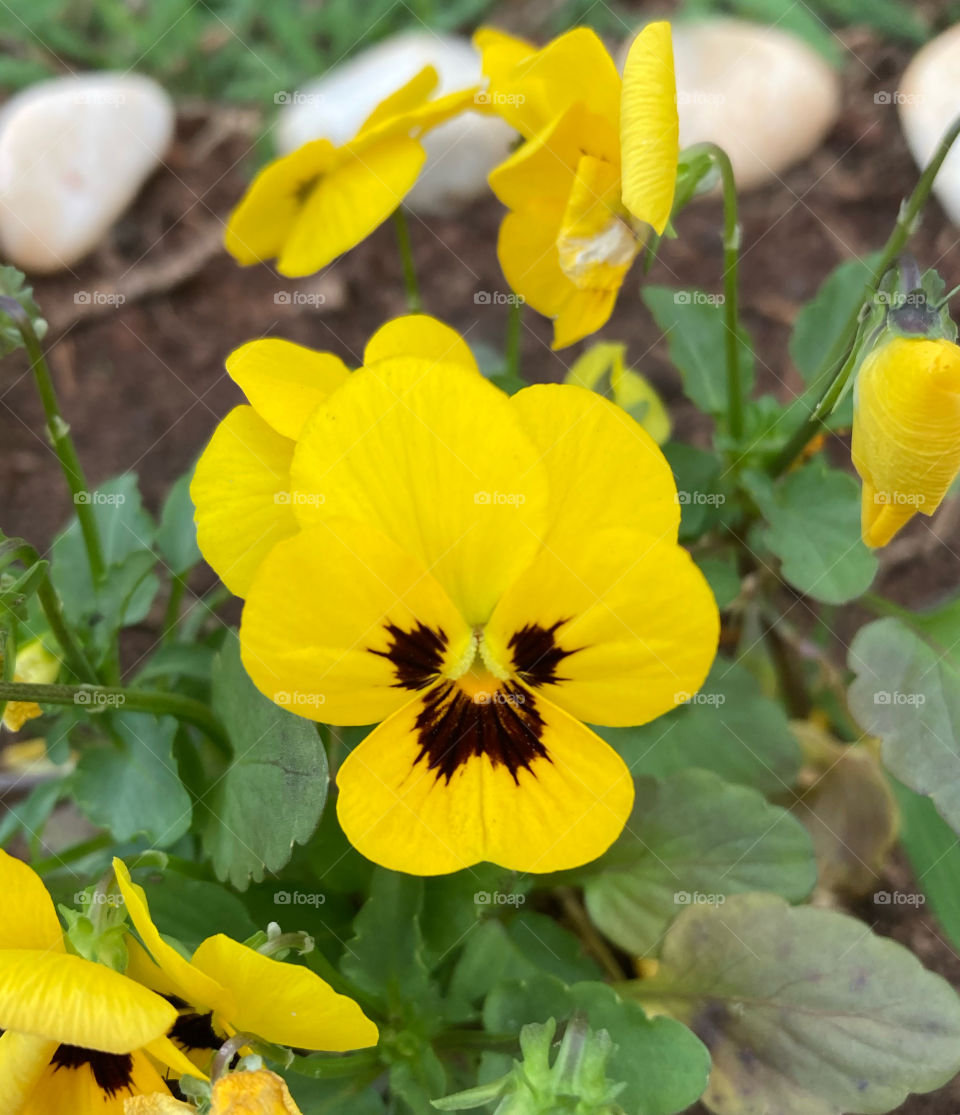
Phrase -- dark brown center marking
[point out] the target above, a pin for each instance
(195, 1031)
(416, 656)
(536, 653)
(113, 1072)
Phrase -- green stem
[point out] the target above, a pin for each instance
(178, 587)
(904, 228)
(324, 1067)
(414, 301)
(514, 334)
(9, 637)
(104, 696)
(59, 433)
(478, 1039)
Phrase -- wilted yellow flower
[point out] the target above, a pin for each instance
(260, 1092)
(602, 368)
(312, 205)
(598, 169)
(36, 665)
(906, 431)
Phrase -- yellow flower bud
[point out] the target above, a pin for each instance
(906, 431)
(36, 665)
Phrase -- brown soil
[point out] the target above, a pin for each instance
(143, 384)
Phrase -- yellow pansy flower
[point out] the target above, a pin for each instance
(74, 1035)
(482, 574)
(227, 988)
(310, 206)
(597, 170)
(241, 487)
(906, 431)
(602, 368)
(36, 665)
(259, 1092)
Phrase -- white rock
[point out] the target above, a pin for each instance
(461, 153)
(929, 101)
(763, 95)
(74, 151)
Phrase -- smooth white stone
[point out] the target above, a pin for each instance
(74, 151)
(460, 153)
(763, 95)
(929, 100)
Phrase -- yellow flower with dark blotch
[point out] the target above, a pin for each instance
(597, 171)
(906, 431)
(602, 368)
(482, 574)
(36, 665)
(75, 1036)
(227, 988)
(241, 486)
(259, 1092)
(310, 206)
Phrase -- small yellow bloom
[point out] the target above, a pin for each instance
(602, 368)
(227, 987)
(260, 1092)
(906, 431)
(74, 1035)
(310, 206)
(597, 171)
(36, 665)
(482, 574)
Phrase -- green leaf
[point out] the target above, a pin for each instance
(934, 855)
(134, 789)
(908, 694)
(191, 909)
(273, 792)
(696, 330)
(804, 1010)
(454, 905)
(692, 839)
(729, 727)
(177, 533)
(702, 491)
(813, 526)
(723, 577)
(663, 1065)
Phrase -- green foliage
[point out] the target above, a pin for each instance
(804, 1009)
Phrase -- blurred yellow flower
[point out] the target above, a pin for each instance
(597, 171)
(36, 665)
(310, 206)
(906, 431)
(602, 368)
(259, 1092)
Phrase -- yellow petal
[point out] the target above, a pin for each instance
(500, 55)
(284, 1003)
(172, 1057)
(419, 335)
(71, 1000)
(584, 312)
(432, 455)
(261, 223)
(438, 807)
(252, 1093)
(241, 492)
(23, 1063)
(324, 613)
(367, 183)
(649, 127)
(590, 445)
(617, 627)
(284, 381)
(192, 985)
(156, 1104)
(407, 97)
(906, 431)
(76, 1090)
(29, 919)
(602, 369)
